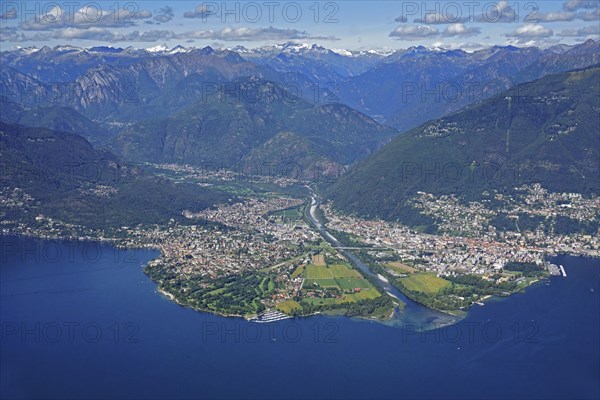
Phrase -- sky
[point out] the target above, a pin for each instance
(353, 25)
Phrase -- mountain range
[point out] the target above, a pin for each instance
(256, 123)
(546, 131)
(415, 85)
(402, 89)
(306, 111)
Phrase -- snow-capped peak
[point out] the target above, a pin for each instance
(66, 48)
(27, 50)
(240, 49)
(161, 48)
(343, 52)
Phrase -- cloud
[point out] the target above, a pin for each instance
(592, 15)
(201, 11)
(437, 18)
(100, 34)
(246, 34)
(500, 12)
(422, 31)
(10, 34)
(164, 14)
(239, 34)
(472, 46)
(11, 13)
(460, 30)
(564, 16)
(593, 30)
(531, 31)
(84, 18)
(413, 32)
(558, 16)
(573, 5)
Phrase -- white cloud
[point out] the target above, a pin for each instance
(592, 15)
(564, 16)
(437, 18)
(102, 34)
(240, 34)
(201, 11)
(461, 30)
(10, 34)
(593, 30)
(558, 16)
(531, 31)
(164, 14)
(500, 12)
(246, 34)
(473, 46)
(84, 18)
(573, 5)
(413, 32)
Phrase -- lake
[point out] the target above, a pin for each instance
(82, 320)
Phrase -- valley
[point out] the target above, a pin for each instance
(300, 200)
(277, 247)
(259, 199)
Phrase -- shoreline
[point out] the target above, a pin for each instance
(117, 243)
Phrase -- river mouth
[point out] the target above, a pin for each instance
(414, 316)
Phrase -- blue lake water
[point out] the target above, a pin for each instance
(82, 320)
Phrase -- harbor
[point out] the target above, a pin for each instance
(270, 316)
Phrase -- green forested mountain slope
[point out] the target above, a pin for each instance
(255, 122)
(545, 131)
(60, 175)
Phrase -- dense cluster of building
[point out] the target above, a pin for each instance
(468, 243)
(269, 232)
(211, 172)
(248, 240)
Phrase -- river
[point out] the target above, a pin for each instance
(413, 313)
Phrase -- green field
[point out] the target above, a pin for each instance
(298, 271)
(317, 301)
(425, 283)
(346, 298)
(362, 295)
(400, 267)
(342, 271)
(337, 276)
(317, 272)
(290, 213)
(320, 283)
(288, 306)
(351, 283)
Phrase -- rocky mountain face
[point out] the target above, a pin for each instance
(415, 85)
(184, 104)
